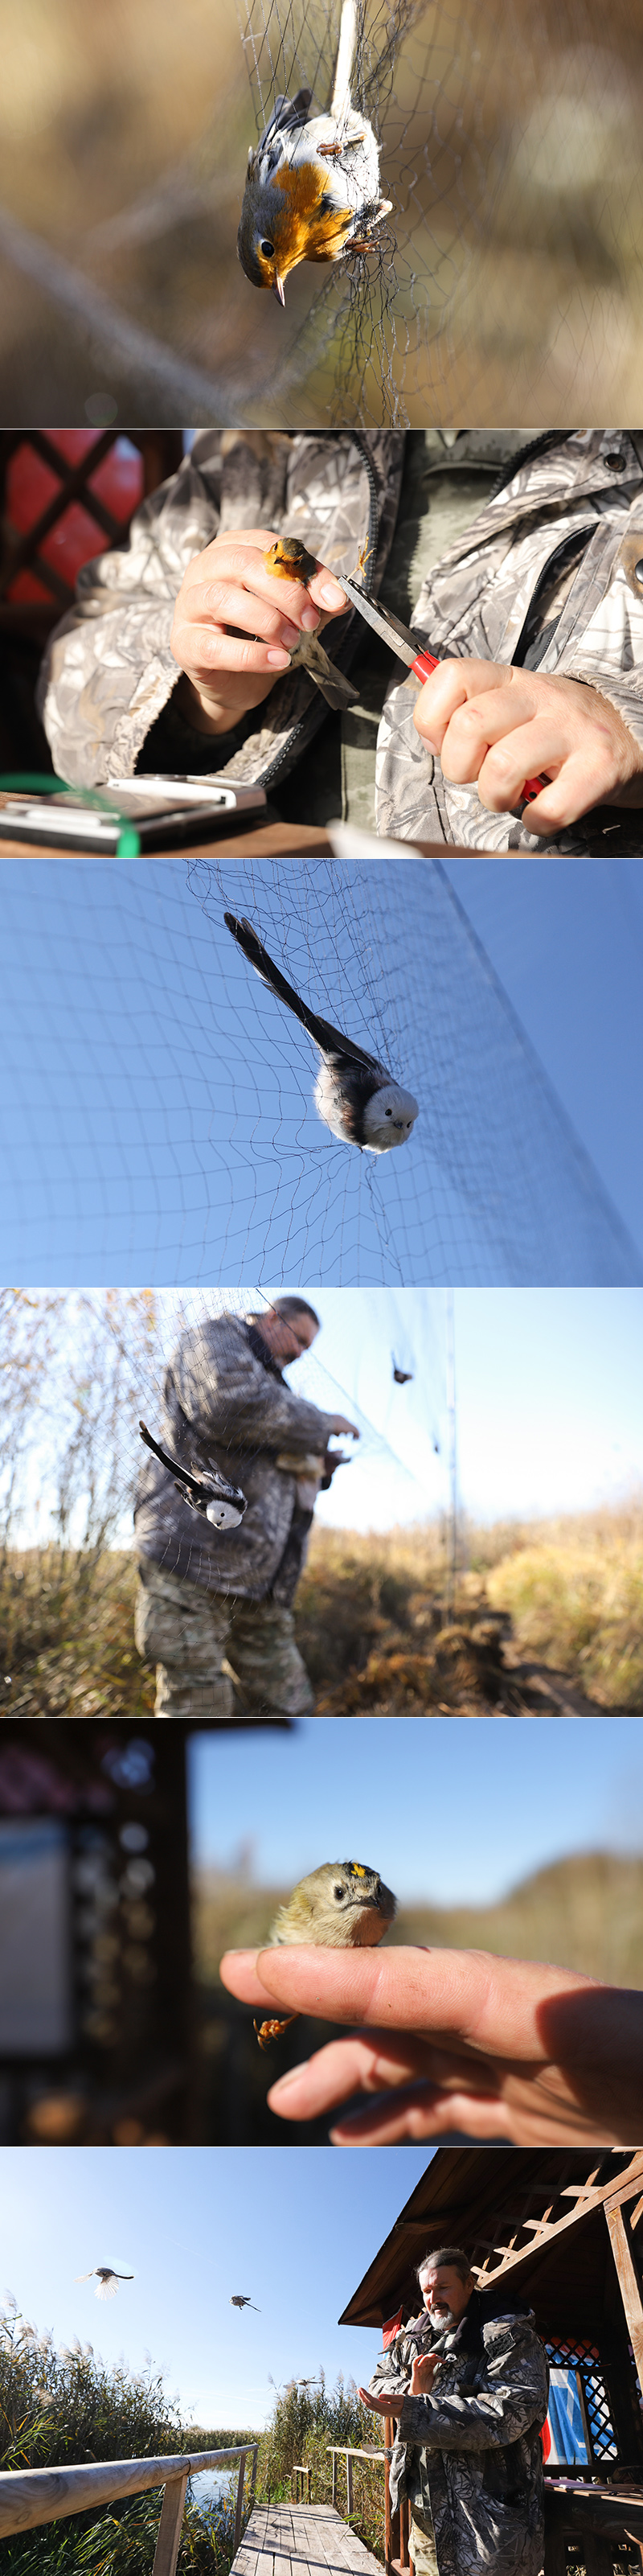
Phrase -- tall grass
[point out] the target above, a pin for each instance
(561, 1597)
(304, 2421)
(65, 2407)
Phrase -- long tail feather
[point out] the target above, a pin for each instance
(329, 1040)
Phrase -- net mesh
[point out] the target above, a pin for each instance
(81, 1369)
(157, 1106)
(508, 151)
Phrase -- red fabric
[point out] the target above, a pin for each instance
(74, 538)
(391, 2328)
(545, 2436)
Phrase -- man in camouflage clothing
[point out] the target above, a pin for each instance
(469, 2383)
(500, 555)
(214, 1607)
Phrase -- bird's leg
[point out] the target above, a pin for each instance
(269, 2030)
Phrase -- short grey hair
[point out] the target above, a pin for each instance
(451, 2254)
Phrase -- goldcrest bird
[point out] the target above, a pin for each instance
(289, 560)
(342, 1906)
(313, 182)
(357, 1097)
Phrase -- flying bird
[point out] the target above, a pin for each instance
(221, 1503)
(238, 2301)
(313, 182)
(341, 1906)
(401, 1377)
(106, 2280)
(355, 1095)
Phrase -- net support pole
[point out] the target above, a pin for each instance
(452, 1525)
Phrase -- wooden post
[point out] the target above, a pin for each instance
(404, 2532)
(169, 2530)
(349, 2483)
(253, 2480)
(388, 2528)
(239, 2512)
(628, 2283)
(335, 2480)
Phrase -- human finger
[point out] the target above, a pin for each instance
(237, 559)
(205, 650)
(580, 779)
(492, 2003)
(451, 686)
(392, 2069)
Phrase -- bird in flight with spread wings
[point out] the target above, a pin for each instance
(106, 2280)
(238, 2301)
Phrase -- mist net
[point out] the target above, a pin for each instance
(506, 272)
(157, 1100)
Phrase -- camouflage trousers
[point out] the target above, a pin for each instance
(422, 2543)
(216, 1656)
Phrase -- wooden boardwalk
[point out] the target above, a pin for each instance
(302, 2540)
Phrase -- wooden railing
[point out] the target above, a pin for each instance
(395, 2525)
(32, 2496)
(301, 2469)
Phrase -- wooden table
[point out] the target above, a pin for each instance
(260, 841)
(596, 2518)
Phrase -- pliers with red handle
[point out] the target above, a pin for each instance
(405, 645)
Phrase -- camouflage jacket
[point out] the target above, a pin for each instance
(225, 1407)
(470, 2453)
(547, 572)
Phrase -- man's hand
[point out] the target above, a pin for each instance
(455, 2039)
(234, 623)
(499, 725)
(423, 2373)
(381, 2405)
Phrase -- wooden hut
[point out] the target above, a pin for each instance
(98, 2007)
(564, 2228)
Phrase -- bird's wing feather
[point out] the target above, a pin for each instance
(287, 112)
(331, 1042)
(83, 2276)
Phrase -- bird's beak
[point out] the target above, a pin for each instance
(278, 290)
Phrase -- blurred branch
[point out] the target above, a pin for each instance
(161, 375)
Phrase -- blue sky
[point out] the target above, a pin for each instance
(451, 1810)
(295, 2230)
(156, 1110)
(549, 1396)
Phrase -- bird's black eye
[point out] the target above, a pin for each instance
(268, 249)
(339, 1892)
(388, 1113)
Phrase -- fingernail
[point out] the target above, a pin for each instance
(310, 618)
(283, 2081)
(331, 594)
(289, 633)
(276, 654)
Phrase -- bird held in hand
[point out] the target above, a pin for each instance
(355, 1095)
(289, 560)
(341, 1906)
(106, 2280)
(313, 182)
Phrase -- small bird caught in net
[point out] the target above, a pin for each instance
(511, 203)
(158, 1112)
